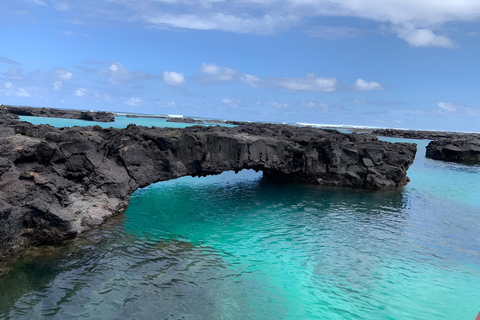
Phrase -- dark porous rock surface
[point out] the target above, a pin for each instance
(58, 182)
(142, 116)
(5, 114)
(184, 120)
(460, 150)
(425, 134)
(100, 116)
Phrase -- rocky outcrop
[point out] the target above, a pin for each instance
(463, 151)
(141, 116)
(425, 134)
(185, 120)
(57, 182)
(100, 116)
(6, 115)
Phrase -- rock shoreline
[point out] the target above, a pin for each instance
(58, 182)
(99, 116)
(425, 134)
(461, 151)
(461, 147)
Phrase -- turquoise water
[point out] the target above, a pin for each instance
(120, 122)
(236, 246)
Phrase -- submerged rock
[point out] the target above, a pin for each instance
(58, 182)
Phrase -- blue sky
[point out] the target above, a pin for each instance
(383, 63)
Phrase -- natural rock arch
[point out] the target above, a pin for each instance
(57, 182)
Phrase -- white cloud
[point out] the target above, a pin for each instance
(276, 104)
(243, 23)
(363, 85)
(57, 85)
(214, 74)
(427, 17)
(424, 38)
(80, 92)
(448, 106)
(317, 105)
(173, 78)
(211, 73)
(62, 6)
(8, 85)
(37, 2)
(309, 83)
(234, 103)
(456, 108)
(22, 92)
(133, 101)
(119, 75)
(251, 80)
(313, 104)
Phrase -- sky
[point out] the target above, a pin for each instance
(383, 63)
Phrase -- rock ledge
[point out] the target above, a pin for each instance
(57, 182)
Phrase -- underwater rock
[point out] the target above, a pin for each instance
(58, 182)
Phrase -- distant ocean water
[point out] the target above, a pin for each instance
(236, 246)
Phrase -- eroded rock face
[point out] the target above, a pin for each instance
(462, 151)
(57, 182)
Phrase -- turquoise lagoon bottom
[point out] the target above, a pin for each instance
(241, 247)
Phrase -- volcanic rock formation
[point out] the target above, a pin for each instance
(57, 182)
(425, 134)
(464, 151)
(99, 116)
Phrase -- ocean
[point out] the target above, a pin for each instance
(237, 246)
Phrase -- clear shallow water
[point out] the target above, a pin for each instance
(120, 122)
(240, 247)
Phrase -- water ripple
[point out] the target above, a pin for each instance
(241, 247)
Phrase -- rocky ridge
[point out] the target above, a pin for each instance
(99, 116)
(425, 134)
(58, 182)
(461, 147)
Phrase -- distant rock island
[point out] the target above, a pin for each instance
(100, 116)
(425, 134)
(58, 182)
(462, 147)
(465, 151)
